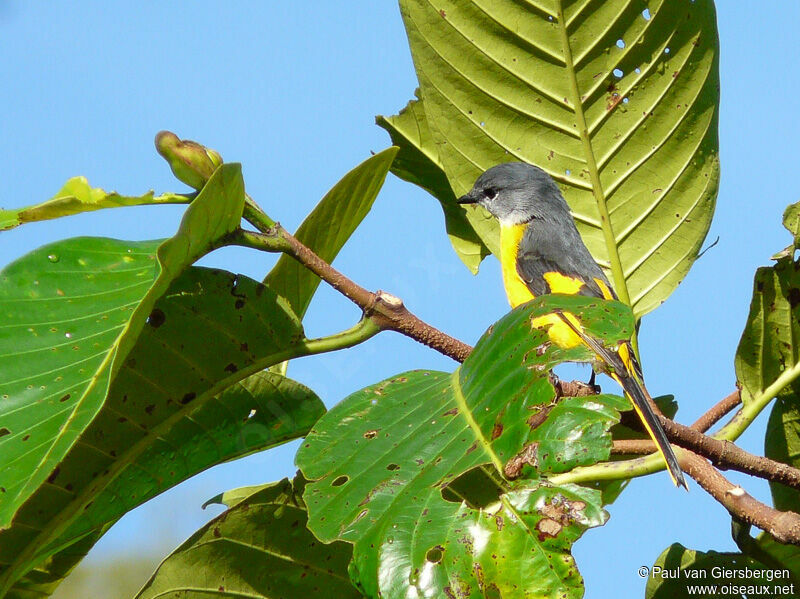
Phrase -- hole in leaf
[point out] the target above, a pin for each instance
(618, 73)
(620, 43)
(435, 554)
(4, 431)
(646, 14)
(156, 318)
(637, 70)
(393, 467)
(475, 487)
(340, 481)
(624, 100)
(666, 50)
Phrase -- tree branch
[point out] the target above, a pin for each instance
(717, 412)
(723, 454)
(384, 309)
(783, 526)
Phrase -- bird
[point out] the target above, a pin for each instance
(541, 252)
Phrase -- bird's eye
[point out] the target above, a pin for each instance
(490, 193)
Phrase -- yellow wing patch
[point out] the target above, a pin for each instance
(561, 283)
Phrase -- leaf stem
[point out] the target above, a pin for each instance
(752, 407)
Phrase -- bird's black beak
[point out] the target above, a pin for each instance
(468, 198)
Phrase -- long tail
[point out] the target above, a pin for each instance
(625, 373)
(641, 403)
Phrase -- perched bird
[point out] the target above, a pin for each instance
(542, 252)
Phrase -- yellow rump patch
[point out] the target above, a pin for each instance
(559, 331)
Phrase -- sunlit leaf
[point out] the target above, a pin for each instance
(394, 466)
(78, 196)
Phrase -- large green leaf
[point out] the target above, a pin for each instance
(164, 419)
(328, 227)
(259, 548)
(393, 466)
(417, 162)
(617, 101)
(70, 312)
(78, 196)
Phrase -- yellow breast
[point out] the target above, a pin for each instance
(518, 293)
(516, 289)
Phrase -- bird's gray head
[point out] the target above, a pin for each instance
(516, 192)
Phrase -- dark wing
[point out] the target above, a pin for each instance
(556, 246)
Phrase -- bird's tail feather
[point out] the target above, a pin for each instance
(641, 403)
(639, 398)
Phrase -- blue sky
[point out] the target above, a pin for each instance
(290, 90)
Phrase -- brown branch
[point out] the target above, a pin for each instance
(717, 412)
(384, 309)
(783, 526)
(723, 454)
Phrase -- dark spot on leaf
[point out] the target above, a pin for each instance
(497, 430)
(65, 398)
(243, 347)
(231, 368)
(340, 481)
(435, 554)
(470, 449)
(451, 412)
(26, 437)
(371, 434)
(760, 286)
(221, 589)
(4, 431)
(122, 419)
(239, 304)
(53, 475)
(156, 318)
(217, 533)
(443, 13)
(393, 467)
(149, 409)
(188, 397)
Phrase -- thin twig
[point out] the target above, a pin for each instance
(384, 309)
(717, 412)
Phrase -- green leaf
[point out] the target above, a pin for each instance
(173, 410)
(259, 548)
(418, 162)
(780, 555)
(767, 364)
(620, 107)
(385, 461)
(782, 443)
(72, 311)
(328, 227)
(791, 220)
(77, 196)
(679, 568)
